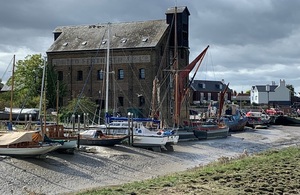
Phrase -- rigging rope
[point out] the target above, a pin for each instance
(91, 68)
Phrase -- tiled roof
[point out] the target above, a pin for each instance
(262, 88)
(210, 86)
(123, 35)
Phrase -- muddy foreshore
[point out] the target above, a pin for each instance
(101, 166)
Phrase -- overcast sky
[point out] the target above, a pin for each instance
(252, 42)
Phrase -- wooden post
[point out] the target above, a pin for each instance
(73, 122)
(78, 122)
(78, 135)
(84, 119)
(131, 128)
(129, 137)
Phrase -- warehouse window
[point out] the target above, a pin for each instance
(60, 75)
(79, 75)
(142, 73)
(100, 75)
(120, 74)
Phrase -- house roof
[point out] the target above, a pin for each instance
(123, 35)
(210, 86)
(262, 88)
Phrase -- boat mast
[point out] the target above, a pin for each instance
(177, 104)
(42, 88)
(57, 101)
(107, 74)
(12, 93)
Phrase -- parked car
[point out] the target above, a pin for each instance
(274, 111)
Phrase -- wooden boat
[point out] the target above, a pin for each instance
(56, 133)
(25, 144)
(95, 137)
(236, 122)
(212, 129)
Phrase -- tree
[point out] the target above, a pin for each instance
(248, 92)
(28, 83)
(51, 87)
(78, 107)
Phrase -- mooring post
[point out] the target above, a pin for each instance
(129, 137)
(78, 135)
(131, 128)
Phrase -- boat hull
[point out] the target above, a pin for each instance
(154, 141)
(186, 133)
(68, 144)
(26, 151)
(287, 121)
(101, 141)
(207, 133)
(237, 125)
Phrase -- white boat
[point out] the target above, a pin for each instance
(156, 140)
(143, 135)
(25, 143)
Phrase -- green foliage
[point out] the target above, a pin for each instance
(78, 107)
(28, 83)
(51, 87)
(4, 100)
(248, 92)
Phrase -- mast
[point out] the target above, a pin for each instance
(221, 103)
(57, 100)
(12, 93)
(42, 88)
(177, 104)
(107, 74)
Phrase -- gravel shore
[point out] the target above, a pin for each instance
(103, 166)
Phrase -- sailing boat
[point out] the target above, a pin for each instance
(54, 133)
(96, 136)
(212, 129)
(234, 118)
(146, 133)
(24, 143)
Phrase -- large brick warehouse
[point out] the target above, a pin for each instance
(139, 52)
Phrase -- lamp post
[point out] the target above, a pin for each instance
(268, 91)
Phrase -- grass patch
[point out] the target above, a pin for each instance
(270, 172)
